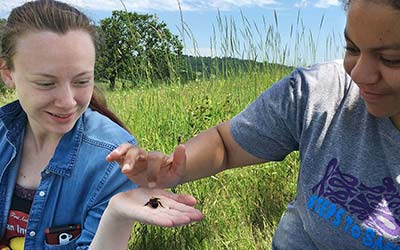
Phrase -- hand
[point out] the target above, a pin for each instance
(172, 210)
(150, 169)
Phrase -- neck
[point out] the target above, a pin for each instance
(41, 142)
(396, 121)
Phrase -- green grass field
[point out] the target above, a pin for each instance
(241, 206)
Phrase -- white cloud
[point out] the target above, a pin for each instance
(301, 4)
(172, 5)
(160, 5)
(317, 4)
(327, 3)
(6, 7)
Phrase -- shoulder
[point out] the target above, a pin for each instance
(99, 128)
(323, 83)
(322, 75)
(10, 112)
(329, 67)
(323, 80)
(12, 119)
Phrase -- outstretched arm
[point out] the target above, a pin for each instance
(210, 152)
(149, 206)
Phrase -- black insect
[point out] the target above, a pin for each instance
(154, 202)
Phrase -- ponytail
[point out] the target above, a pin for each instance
(99, 103)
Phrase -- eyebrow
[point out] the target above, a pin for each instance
(54, 77)
(394, 46)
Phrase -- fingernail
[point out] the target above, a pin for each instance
(152, 184)
(125, 167)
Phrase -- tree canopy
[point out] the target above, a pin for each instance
(138, 48)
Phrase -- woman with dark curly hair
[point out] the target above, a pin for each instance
(344, 119)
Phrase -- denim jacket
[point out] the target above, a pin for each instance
(76, 185)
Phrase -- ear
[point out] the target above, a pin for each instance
(7, 77)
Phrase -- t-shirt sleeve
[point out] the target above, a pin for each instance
(270, 127)
(293, 112)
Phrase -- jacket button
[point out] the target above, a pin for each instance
(42, 193)
(32, 233)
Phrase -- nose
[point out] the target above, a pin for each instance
(64, 96)
(365, 70)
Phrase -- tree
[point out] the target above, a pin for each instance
(138, 48)
(2, 86)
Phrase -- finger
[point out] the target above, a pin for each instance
(175, 206)
(181, 198)
(179, 161)
(161, 221)
(170, 213)
(180, 217)
(166, 220)
(154, 162)
(179, 156)
(119, 152)
(131, 163)
(170, 218)
(183, 208)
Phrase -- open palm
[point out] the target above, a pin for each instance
(171, 209)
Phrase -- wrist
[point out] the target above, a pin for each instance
(115, 214)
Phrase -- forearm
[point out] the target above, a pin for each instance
(205, 155)
(112, 233)
(213, 151)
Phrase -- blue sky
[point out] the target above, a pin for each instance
(201, 17)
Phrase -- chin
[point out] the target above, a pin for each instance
(61, 129)
(379, 113)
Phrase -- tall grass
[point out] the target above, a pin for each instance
(264, 42)
(242, 206)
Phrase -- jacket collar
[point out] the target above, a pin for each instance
(14, 120)
(64, 158)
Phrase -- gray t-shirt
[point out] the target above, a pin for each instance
(348, 192)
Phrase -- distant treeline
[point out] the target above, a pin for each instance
(208, 67)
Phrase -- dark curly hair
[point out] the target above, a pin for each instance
(393, 3)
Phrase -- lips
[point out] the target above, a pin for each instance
(61, 115)
(372, 96)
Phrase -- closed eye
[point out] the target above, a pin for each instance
(390, 62)
(351, 50)
(82, 82)
(45, 84)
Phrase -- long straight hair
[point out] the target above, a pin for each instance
(54, 16)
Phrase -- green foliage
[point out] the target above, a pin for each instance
(137, 48)
(211, 67)
(242, 206)
(3, 88)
